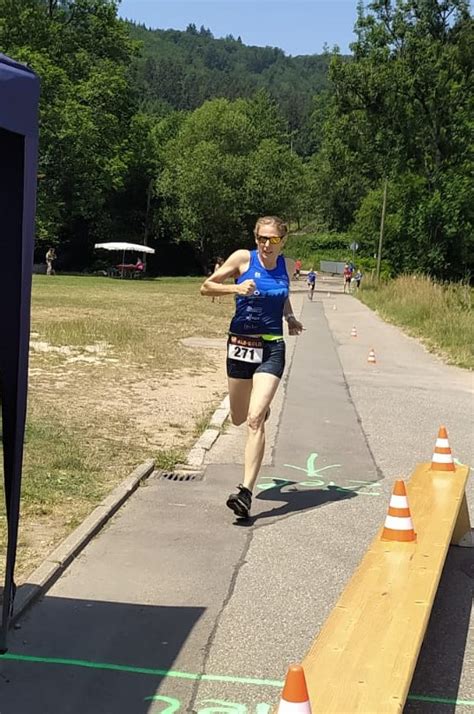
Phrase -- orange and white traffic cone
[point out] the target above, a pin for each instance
(371, 358)
(442, 459)
(294, 698)
(354, 332)
(398, 523)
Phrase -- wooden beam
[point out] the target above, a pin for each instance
(364, 657)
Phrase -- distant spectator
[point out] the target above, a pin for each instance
(358, 278)
(50, 258)
(140, 265)
(219, 262)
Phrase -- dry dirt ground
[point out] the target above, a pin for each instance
(114, 381)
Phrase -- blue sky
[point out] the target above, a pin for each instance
(297, 26)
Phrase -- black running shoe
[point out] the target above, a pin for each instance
(240, 502)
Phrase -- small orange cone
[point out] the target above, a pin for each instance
(371, 358)
(354, 332)
(294, 698)
(442, 457)
(398, 523)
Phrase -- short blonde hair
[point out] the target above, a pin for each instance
(280, 225)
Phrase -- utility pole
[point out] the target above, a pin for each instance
(382, 227)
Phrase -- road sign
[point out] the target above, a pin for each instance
(354, 246)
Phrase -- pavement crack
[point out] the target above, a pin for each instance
(210, 640)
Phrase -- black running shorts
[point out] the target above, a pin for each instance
(273, 361)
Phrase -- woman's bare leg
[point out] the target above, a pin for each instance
(239, 399)
(263, 391)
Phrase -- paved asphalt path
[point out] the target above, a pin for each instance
(175, 606)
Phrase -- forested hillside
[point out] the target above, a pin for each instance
(181, 70)
(182, 140)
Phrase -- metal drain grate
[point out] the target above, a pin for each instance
(182, 475)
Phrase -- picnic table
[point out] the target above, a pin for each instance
(129, 270)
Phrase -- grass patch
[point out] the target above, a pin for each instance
(439, 313)
(166, 459)
(140, 321)
(202, 421)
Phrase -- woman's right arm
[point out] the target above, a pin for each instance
(214, 284)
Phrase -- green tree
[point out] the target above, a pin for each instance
(402, 109)
(223, 169)
(81, 52)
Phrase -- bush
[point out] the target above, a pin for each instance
(303, 246)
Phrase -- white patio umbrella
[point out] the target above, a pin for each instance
(123, 247)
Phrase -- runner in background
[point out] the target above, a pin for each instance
(297, 270)
(311, 281)
(255, 347)
(347, 274)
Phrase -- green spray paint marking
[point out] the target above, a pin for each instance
(144, 670)
(194, 677)
(440, 700)
(364, 488)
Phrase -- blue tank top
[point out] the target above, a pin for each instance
(262, 312)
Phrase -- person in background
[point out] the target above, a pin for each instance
(297, 269)
(358, 278)
(347, 274)
(219, 262)
(311, 281)
(50, 258)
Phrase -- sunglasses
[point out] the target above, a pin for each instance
(274, 240)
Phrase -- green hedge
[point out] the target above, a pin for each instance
(303, 246)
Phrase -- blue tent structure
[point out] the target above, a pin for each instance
(19, 95)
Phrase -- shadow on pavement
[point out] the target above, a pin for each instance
(438, 671)
(76, 656)
(295, 500)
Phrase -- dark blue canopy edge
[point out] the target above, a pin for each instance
(19, 96)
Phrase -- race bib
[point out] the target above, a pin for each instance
(245, 349)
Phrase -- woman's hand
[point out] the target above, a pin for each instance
(248, 287)
(295, 327)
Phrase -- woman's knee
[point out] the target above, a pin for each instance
(256, 421)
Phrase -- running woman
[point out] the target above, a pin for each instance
(311, 281)
(255, 347)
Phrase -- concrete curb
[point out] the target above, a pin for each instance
(57, 561)
(197, 455)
